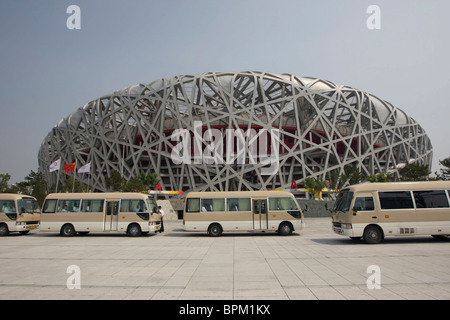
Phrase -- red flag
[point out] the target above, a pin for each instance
(158, 187)
(69, 167)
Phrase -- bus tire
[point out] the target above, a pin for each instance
(4, 231)
(67, 230)
(285, 229)
(372, 234)
(215, 230)
(134, 230)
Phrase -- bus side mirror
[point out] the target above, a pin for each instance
(355, 210)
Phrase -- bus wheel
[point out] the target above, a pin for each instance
(215, 230)
(372, 235)
(285, 229)
(134, 230)
(4, 230)
(67, 230)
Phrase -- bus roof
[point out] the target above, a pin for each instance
(237, 194)
(14, 196)
(406, 185)
(97, 195)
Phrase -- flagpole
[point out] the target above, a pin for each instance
(57, 181)
(74, 173)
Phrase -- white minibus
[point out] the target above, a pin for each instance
(18, 212)
(215, 212)
(373, 211)
(69, 213)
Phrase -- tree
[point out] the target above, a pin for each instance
(352, 175)
(316, 185)
(115, 181)
(414, 172)
(34, 185)
(336, 183)
(38, 187)
(445, 173)
(4, 182)
(149, 180)
(135, 184)
(141, 182)
(76, 186)
(380, 177)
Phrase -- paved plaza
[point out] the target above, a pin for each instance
(313, 264)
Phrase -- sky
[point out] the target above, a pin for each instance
(48, 70)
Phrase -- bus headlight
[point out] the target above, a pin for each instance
(21, 223)
(346, 225)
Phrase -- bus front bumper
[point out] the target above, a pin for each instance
(343, 229)
(154, 226)
(25, 226)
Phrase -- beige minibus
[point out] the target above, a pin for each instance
(69, 213)
(215, 212)
(377, 210)
(18, 212)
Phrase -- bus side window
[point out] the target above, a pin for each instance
(49, 206)
(255, 207)
(239, 204)
(207, 205)
(263, 206)
(431, 199)
(193, 205)
(67, 206)
(282, 203)
(364, 204)
(395, 200)
(92, 206)
(8, 206)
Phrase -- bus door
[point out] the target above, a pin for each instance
(111, 218)
(260, 214)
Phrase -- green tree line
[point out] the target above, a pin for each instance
(352, 175)
(35, 185)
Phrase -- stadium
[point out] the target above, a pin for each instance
(234, 131)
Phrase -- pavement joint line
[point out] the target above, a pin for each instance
(90, 286)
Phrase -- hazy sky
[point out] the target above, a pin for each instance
(47, 70)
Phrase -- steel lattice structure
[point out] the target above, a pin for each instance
(323, 127)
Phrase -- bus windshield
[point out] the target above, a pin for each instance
(28, 205)
(343, 200)
(153, 207)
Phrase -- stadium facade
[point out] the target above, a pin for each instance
(234, 131)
